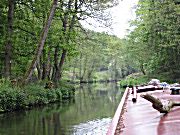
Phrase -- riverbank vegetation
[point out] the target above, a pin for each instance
(42, 41)
(154, 43)
(16, 98)
(134, 79)
(151, 48)
(36, 39)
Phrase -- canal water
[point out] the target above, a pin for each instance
(90, 113)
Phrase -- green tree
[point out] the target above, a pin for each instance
(155, 39)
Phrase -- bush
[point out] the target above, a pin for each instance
(52, 95)
(36, 94)
(11, 98)
(14, 98)
(21, 100)
(8, 99)
(134, 80)
(67, 91)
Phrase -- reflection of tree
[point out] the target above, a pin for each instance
(80, 99)
(84, 98)
(114, 94)
(102, 93)
(44, 126)
(34, 131)
(57, 124)
(90, 93)
(56, 119)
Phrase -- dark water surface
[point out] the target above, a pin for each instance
(88, 114)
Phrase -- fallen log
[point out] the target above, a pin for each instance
(162, 107)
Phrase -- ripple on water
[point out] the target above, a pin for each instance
(94, 127)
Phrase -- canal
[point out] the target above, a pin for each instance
(89, 113)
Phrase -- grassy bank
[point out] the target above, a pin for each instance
(134, 79)
(138, 79)
(15, 98)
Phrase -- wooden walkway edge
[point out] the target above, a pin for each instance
(112, 126)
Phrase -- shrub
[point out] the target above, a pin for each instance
(52, 95)
(21, 100)
(8, 99)
(13, 98)
(59, 95)
(134, 80)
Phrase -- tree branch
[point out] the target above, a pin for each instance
(158, 105)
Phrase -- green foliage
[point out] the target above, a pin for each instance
(67, 91)
(37, 94)
(8, 99)
(134, 79)
(21, 99)
(52, 95)
(14, 98)
(101, 57)
(28, 20)
(154, 43)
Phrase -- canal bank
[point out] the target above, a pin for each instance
(90, 112)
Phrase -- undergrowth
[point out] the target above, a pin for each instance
(16, 98)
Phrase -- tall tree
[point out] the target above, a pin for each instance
(8, 46)
(42, 39)
(156, 30)
(73, 12)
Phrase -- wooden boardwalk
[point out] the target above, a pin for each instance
(140, 118)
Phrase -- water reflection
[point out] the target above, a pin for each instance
(89, 113)
(94, 127)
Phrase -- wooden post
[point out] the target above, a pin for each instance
(134, 99)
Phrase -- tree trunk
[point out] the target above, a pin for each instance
(42, 39)
(158, 105)
(44, 65)
(67, 37)
(59, 70)
(115, 71)
(84, 70)
(142, 69)
(48, 68)
(74, 71)
(80, 66)
(55, 68)
(66, 34)
(39, 70)
(8, 46)
(91, 71)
